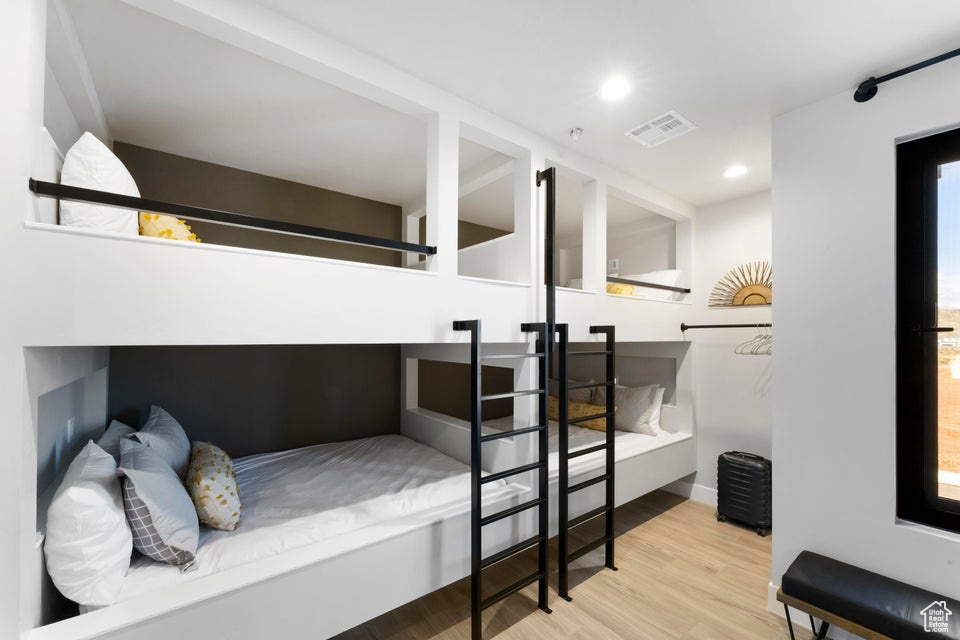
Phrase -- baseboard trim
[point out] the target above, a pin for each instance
(695, 492)
(800, 619)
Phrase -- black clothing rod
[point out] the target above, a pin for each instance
(649, 285)
(78, 194)
(868, 88)
(684, 326)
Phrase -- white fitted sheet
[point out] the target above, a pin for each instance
(303, 496)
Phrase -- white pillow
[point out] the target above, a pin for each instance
(669, 277)
(110, 440)
(635, 408)
(88, 542)
(655, 413)
(164, 435)
(91, 165)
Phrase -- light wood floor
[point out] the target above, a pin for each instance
(682, 575)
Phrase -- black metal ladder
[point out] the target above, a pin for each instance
(564, 488)
(477, 521)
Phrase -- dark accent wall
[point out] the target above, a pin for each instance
(469, 233)
(164, 176)
(444, 387)
(252, 399)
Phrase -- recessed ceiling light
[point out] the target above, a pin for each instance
(615, 88)
(735, 171)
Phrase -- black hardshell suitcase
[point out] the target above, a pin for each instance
(744, 489)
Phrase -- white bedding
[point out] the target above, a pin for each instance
(626, 444)
(302, 496)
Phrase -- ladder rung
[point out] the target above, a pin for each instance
(605, 352)
(500, 475)
(583, 452)
(589, 515)
(509, 591)
(511, 432)
(512, 394)
(587, 548)
(605, 414)
(511, 356)
(512, 511)
(509, 551)
(588, 483)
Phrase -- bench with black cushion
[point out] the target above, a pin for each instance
(867, 604)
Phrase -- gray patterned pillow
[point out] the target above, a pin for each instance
(159, 511)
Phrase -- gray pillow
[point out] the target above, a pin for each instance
(164, 435)
(110, 440)
(159, 511)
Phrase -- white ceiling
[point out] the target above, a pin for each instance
(727, 66)
(169, 88)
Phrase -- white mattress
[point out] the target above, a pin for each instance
(626, 444)
(303, 496)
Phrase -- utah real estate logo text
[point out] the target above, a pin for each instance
(936, 617)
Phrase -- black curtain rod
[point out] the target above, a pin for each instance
(649, 285)
(684, 326)
(78, 194)
(868, 88)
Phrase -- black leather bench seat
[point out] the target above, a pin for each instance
(889, 607)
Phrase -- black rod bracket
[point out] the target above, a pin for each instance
(868, 88)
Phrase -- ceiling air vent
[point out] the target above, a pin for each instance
(662, 128)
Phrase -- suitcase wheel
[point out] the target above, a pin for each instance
(721, 517)
(763, 532)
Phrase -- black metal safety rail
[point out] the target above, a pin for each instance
(78, 194)
(648, 285)
(565, 489)
(477, 438)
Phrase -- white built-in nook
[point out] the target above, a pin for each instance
(247, 97)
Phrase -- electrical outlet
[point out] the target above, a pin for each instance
(613, 265)
(71, 423)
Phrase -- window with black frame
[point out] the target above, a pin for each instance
(928, 330)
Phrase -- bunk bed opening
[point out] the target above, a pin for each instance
(273, 159)
(648, 254)
(327, 481)
(494, 212)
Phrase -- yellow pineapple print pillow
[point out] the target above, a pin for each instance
(620, 289)
(156, 225)
(578, 410)
(212, 485)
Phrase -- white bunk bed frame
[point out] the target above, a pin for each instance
(422, 555)
(278, 596)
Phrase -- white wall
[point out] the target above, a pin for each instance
(650, 245)
(833, 404)
(732, 393)
(57, 117)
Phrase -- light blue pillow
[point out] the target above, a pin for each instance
(162, 519)
(164, 435)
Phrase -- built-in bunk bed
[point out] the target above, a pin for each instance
(324, 561)
(318, 519)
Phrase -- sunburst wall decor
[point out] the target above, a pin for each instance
(748, 284)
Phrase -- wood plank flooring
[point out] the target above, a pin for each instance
(682, 576)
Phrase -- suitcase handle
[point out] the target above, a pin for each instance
(752, 456)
